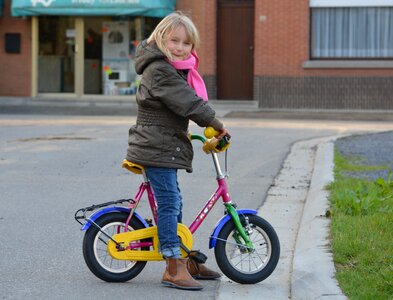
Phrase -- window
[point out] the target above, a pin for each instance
(351, 32)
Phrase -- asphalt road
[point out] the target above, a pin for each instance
(52, 165)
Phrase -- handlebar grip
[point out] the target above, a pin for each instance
(210, 132)
(212, 143)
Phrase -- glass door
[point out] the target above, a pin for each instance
(56, 54)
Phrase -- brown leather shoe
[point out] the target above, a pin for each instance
(200, 271)
(176, 275)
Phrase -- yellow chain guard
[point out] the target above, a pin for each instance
(126, 238)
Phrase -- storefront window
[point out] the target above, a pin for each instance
(56, 55)
(110, 53)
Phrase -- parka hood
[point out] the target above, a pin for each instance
(145, 55)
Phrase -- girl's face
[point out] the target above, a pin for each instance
(178, 44)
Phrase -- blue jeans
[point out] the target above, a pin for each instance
(169, 202)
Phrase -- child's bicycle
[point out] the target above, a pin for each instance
(118, 241)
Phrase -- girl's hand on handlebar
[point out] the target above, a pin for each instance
(210, 132)
(217, 140)
(223, 132)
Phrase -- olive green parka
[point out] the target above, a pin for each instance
(166, 103)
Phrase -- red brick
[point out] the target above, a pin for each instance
(15, 75)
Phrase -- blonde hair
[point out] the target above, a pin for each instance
(167, 25)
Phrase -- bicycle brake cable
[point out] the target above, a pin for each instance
(226, 163)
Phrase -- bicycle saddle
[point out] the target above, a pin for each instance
(133, 167)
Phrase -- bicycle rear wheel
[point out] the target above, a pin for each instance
(95, 251)
(238, 262)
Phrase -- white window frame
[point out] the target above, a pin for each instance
(342, 63)
(350, 3)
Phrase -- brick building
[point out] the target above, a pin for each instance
(303, 54)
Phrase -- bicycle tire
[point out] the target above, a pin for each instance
(95, 241)
(229, 254)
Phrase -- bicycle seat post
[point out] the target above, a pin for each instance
(145, 179)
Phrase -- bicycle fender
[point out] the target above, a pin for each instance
(108, 210)
(220, 224)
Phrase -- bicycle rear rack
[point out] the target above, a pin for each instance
(80, 214)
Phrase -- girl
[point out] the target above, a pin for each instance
(171, 93)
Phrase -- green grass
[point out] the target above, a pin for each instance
(362, 231)
(353, 164)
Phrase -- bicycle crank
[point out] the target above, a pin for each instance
(135, 237)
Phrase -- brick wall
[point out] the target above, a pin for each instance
(281, 37)
(282, 42)
(280, 81)
(321, 92)
(203, 13)
(15, 75)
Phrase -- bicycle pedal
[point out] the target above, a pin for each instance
(149, 222)
(198, 256)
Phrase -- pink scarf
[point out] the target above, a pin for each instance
(193, 78)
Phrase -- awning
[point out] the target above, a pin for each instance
(149, 8)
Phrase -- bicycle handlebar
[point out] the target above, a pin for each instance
(210, 143)
(197, 137)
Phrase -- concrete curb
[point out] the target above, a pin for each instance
(313, 269)
(294, 199)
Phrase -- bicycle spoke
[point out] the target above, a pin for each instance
(240, 254)
(261, 239)
(240, 262)
(252, 258)
(262, 259)
(104, 258)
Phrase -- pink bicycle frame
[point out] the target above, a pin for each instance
(221, 191)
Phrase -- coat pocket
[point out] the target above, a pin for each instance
(177, 148)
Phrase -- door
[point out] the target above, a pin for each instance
(235, 49)
(56, 54)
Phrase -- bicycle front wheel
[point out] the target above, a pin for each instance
(96, 254)
(245, 265)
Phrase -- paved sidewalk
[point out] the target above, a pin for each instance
(126, 106)
(296, 205)
(99, 105)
